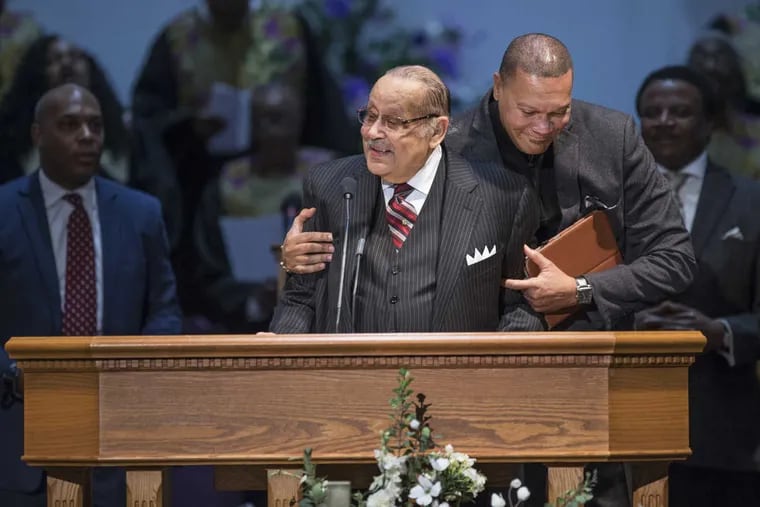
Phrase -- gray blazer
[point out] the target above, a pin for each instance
(724, 401)
(601, 154)
(483, 205)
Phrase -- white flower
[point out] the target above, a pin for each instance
(497, 500)
(459, 457)
(523, 494)
(381, 498)
(463, 458)
(478, 479)
(414, 424)
(438, 464)
(388, 462)
(515, 483)
(424, 492)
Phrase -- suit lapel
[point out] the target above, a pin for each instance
(715, 195)
(110, 249)
(35, 223)
(459, 215)
(566, 160)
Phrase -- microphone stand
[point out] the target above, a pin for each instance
(349, 187)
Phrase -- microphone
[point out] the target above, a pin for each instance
(359, 254)
(289, 208)
(348, 186)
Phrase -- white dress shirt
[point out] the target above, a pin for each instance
(422, 181)
(692, 186)
(58, 211)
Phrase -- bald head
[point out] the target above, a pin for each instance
(536, 54)
(55, 97)
(68, 133)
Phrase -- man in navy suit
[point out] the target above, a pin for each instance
(122, 285)
(677, 110)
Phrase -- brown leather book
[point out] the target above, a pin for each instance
(587, 246)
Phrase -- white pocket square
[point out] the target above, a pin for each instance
(733, 233)
(481, 256)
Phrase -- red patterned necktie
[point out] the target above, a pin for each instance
(400, 214)
(80, 303)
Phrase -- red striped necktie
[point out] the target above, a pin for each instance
(400, 214)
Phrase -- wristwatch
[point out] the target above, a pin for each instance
(583, 291)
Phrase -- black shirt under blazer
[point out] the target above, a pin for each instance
(601, 154)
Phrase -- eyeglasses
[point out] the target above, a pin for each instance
(392, 123)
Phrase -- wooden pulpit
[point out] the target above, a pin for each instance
(248, 404)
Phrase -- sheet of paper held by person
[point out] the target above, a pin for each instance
(249, 243)
(232, 105)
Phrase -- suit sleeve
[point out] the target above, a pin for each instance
(296, 310)
(516, 313)
(659, 259)
(162, 315)
(746, 326)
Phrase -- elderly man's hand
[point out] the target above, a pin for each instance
(306, 252)
(552, 290)
(672, 315)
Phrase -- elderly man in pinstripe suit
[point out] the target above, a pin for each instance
(440, 232)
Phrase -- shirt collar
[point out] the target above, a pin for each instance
(53, 192)
(422, 181)
(695, 169)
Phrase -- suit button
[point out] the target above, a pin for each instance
(394, 300)
(395, 270)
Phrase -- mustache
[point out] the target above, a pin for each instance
(378, 145)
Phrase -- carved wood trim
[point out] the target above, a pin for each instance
(378, 345)
(366, 362)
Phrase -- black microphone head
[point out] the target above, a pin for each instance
(348, 185)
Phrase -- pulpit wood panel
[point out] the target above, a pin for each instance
(561, 398)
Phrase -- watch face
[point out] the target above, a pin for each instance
(583, 291)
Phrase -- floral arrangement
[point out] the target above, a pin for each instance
(363, 41)
(415, 470)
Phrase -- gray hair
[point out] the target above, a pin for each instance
(438, 99)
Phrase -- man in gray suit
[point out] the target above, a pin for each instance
(677, 108)
(439, 232)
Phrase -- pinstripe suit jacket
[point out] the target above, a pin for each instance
(600, 154)
(483, 205)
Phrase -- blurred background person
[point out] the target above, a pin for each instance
(17, 31)
(735, 142)
(677, 111)
(50, 62)
(264, 183)
(197, 77)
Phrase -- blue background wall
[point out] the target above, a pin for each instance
(615, 43)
